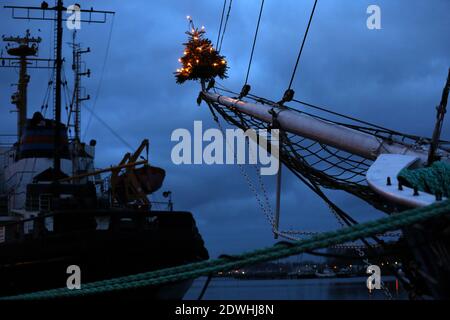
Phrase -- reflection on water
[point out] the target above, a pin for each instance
(293, 289)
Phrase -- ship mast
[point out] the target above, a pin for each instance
(27, 14)
(441, 111)
(23, 51)
(59, 34)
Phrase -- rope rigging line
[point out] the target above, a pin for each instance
(254, 41)
(45, 101)
(278, 251)
(66, 91)
(72, 102)
(303, 44)
(225, 25)
(221, 22)
(101, 77)
(324, 109)
(99, 119)
(341, 115)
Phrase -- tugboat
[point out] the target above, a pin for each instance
(57, 210)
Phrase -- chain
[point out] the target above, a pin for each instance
(264, 208)
(300, 232)
(362, 254)
(261, 184)
(385, 289)
(267, 209)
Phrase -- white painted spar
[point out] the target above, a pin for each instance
(341, 137)
(389, 165)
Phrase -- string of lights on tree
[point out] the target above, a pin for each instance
(200, 61)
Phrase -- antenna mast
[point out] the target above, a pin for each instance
(78, 93)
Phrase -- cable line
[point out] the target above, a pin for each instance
(221, 22)
(303, 44)
(225, 25)
(254, 41)
(109, 128)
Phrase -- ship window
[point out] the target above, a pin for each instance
(48, 222)
(45, 202)
(2, 234)
(102, 223)
(28, 226)
(32, 203)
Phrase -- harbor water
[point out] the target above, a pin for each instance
(353, 288)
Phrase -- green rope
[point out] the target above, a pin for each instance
(195, 270)
(434, 179)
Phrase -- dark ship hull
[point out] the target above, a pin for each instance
(133, 242)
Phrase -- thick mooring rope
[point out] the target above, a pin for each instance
(434, 179)
(195, 270)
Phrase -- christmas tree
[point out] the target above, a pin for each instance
(200, 60)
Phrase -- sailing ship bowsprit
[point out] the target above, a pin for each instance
(56, 210)
(324, 149)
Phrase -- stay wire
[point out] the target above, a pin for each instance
(303, 44)
(254, 41)
(225, 25)
(221, 23)
(324, 109)
(109, 128)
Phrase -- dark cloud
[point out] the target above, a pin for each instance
(392, 77)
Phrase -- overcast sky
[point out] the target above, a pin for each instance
(393, 77)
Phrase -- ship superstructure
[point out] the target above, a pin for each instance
(58, 210)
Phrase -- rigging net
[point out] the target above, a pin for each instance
(318, 163)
